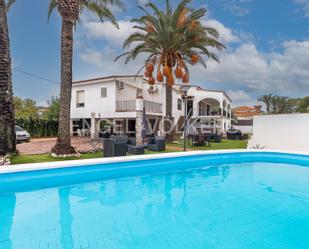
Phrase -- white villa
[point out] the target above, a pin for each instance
(113, 98)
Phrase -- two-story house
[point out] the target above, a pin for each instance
(111, 102)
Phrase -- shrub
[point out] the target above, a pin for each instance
(39, 127)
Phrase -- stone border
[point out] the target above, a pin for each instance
(5, 161)
(88, 162)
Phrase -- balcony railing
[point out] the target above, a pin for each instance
(153, 107)
(130, 106)
(126, 106)
(207, 112)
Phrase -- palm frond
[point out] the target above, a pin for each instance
(9, 4)
(52, 5)
(173, 38)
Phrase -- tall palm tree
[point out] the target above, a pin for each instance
(70, 11)
(7, 115)
(267, 100)
(172, 40)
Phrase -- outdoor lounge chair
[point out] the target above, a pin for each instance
(198, 140)
(136, 149)
(114, 148)
(217, 138)
(156, 144)
(120, 138)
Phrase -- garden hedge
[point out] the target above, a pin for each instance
(39, 127)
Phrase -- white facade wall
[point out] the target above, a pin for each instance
(93, 101)
(245, 129)
(282, 132)
(200, 95)
(106, 107)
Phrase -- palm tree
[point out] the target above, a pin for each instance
(172, 40)
(267, 100)
(7, 115)
(70, 11)
(282, 104)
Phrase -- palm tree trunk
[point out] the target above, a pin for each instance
(168, 116)
(63, 145)
(7, 114)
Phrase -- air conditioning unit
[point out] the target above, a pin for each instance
(152, 89)
(119, 84)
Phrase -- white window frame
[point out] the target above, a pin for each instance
(80, 101)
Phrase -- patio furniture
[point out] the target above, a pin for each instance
(120, 138)
(198, 140)
(208, 141)
(234, 134)
(156, 144)
(136, 149)
(95, 143)
(114, 148)
(217, 138)
(125, 139)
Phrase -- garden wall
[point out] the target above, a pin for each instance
(282, 132)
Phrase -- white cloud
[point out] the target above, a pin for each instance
(305, 6)
(108, 32)
(282, 73)
(245, 71)
(236, 7)
(240, 97)
(226, 34)
(92, 57)
(102, 63)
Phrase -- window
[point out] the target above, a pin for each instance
(103, 92)
(80, 98)
(179, 104)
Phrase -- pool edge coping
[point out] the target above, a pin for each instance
(87, 162)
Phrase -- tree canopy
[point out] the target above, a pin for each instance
(172, 39)
(275, 104)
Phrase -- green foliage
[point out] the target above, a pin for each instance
(303, 106)
(9, 3)
(171, 37)
(279, 104)
(39, 127)
(25, 108)
(224, 145)
(101, 8)
(22, 159)
(52, 113)
(267, 100)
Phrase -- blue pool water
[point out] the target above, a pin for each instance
(223, 201)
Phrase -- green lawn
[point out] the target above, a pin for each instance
(224, 145)
(22, 159)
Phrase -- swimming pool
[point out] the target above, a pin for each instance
(219, 200)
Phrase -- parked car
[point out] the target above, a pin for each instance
(21, 135)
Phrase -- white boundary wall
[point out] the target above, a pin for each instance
(281, 132)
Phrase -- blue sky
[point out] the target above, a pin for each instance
(267, 41)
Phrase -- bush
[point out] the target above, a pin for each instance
(39, 127)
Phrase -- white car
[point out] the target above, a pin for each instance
(21, 135)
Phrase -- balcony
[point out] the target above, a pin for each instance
(208, 112)
(153, 107)
(130, 106)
